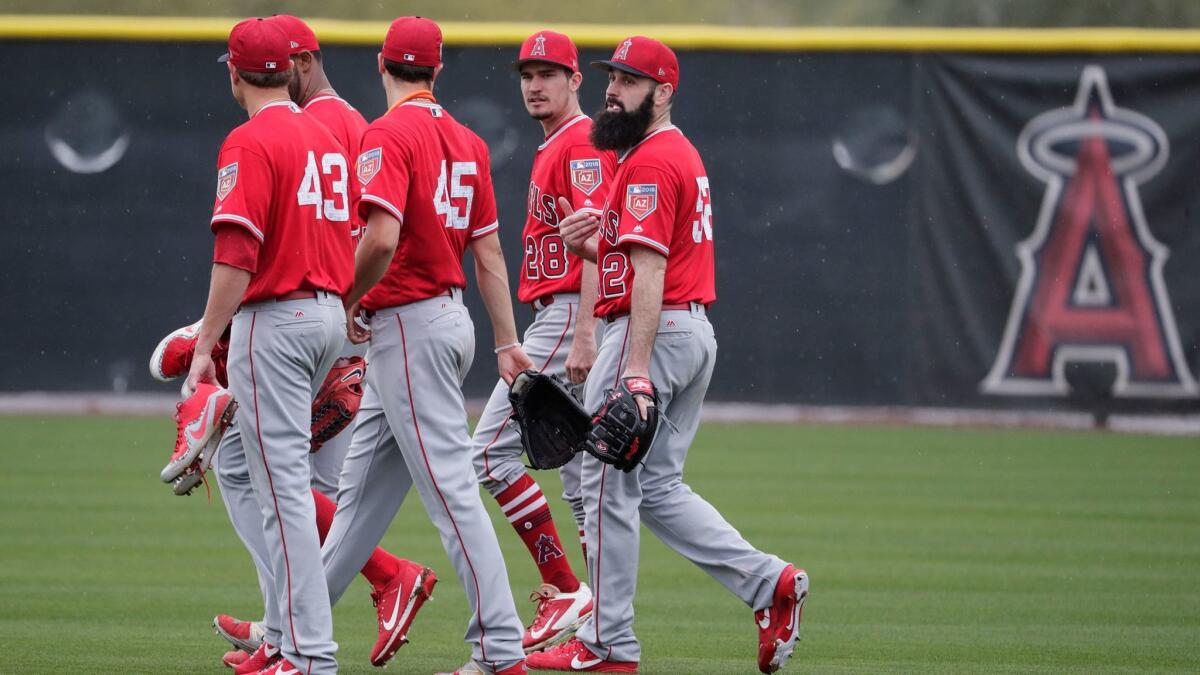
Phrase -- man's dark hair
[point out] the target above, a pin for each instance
(266, 80)
(408, 73)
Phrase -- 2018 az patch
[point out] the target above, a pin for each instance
(641, 200)
(226, 179)
(368, 164)
(586, 175)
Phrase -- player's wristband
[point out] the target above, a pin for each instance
(504, 348)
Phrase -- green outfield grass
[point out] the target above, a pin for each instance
(931, 551)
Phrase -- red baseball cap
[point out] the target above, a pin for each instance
(258, 46)
(644, 57)
(413, 41)
(300, 37)
(549, 47)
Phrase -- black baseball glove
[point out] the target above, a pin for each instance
(619, 435)
(551, 420)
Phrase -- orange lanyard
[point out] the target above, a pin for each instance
(423, 93)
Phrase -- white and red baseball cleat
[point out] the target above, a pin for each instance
(234, 658)
(264, 657)
(573, 657)
(779, 624)
(246, 636)
(199, 419)
(396, 606)
(473, 668)
(172, 357)
(280, 667)
(559, 615)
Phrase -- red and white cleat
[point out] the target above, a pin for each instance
(779, 624)
(559, 615)
(199, 418)
(263, 658)
(573, 657)
(172, 358)
(234, 658)
(280, 667)
(246, 636)
(396, 606)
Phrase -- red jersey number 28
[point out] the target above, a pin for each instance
(309, 193)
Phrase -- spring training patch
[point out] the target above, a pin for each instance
(368, 164)
(586, 175)
(641, 199)
(226, 179)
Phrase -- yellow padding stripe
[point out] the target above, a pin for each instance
(330, 31)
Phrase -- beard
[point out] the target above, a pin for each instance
(620, 130)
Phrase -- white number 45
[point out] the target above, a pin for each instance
(441, 199)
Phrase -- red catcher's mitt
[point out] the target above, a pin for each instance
(338, 400)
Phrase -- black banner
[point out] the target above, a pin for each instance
(912, 229)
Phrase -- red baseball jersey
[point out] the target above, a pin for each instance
(347, 125)
(566, 165)
(284, 178)
(434, 176)
(659, 199)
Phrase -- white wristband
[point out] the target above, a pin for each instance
(504, 348)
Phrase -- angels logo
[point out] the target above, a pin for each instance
(539, 46)
(368, 164)
(226, 179)
(1091, 286)
(586, 175)
(641, 200)
(546, 549)
(623, 52)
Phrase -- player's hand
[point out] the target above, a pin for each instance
(511, 362)
(577, 229)
(644, 403)
(202, 370)
(581, 358)
(358, 330)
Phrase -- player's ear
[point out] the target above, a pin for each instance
(437, 70)
(575, 81)
(379, 58)
(663, 94)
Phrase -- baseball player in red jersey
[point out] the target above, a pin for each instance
(393, 580)
(561, 339)
(656, 283)
(282, 262)
(426, 193)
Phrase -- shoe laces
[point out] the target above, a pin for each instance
(542, 597)
(178, 426)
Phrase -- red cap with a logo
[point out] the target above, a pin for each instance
(301, 38)
(549, 47)
(413, 41)
(644, 57)
(258, 46)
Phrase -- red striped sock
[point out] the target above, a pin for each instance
(380, 567)
(583, 545)
(525, 507)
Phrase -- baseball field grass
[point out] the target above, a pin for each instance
(930, 551)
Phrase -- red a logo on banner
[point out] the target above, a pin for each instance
(1091, 286)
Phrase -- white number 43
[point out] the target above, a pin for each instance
(441, 199)
(309, 192)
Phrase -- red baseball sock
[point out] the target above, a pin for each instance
(525, 507)
(380, 567)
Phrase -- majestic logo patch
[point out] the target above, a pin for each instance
(641, 200)
(539, 46)
(226, 179)
(1091, 286)
(547, 549)
(586, 175)
(368, 164)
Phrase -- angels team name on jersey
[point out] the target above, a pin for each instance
(543, 205)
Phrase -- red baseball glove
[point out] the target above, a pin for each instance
(337, 402)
